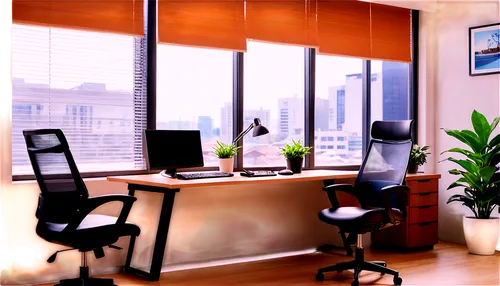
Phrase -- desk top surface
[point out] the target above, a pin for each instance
(157, 180)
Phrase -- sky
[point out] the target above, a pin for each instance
(203, 78)
(190, 81)
(481, 39)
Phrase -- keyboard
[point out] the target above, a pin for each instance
(260, 173)
(202, 175)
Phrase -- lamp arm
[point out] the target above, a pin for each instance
(243, 134)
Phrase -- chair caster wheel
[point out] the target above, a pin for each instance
(355, 283)
(397, 280)
(320, 277)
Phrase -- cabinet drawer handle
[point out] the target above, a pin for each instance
(424, 207)
(424, 223)
(424, 181)
(424, 194)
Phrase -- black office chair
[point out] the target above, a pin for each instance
(64, 205)
(380, 190)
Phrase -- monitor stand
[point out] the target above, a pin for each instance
(169, 173)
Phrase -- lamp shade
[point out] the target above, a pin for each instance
(258, 128)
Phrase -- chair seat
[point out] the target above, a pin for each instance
(355, 219)
(94, 231)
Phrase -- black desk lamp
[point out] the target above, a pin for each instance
(258, 130)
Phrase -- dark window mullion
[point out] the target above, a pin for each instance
(309, 101)
(238, 104)
(413, 76)
(366, 104)
(150, 28)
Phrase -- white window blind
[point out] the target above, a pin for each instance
(89, 84)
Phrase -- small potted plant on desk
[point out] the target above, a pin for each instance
(418, 157)
(225, 153)
(480, 181)
(294, 154)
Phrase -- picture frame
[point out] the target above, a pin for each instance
(484, 50)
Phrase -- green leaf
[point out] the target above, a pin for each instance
(295, 150)
(466, 201)
(474, 181)
(466, 164)
(486, 173)
(472, 142)
(455, 172)
(481, 126)
(494, 123)
(477, 158)
(480, 177)
(460, 198)
(425, 148)
(222, 150)
(455, 185)
(495, 141)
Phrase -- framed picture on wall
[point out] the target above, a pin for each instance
(484, 49)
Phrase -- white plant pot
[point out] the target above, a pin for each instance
(498, 246)
(481, 235)
(226, 165)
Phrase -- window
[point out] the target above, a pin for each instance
(274, 92)
(88, 84)
(390, 91)
(194, 91)
(338, 109)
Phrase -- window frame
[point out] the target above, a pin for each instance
(149, 78)
(150, 41)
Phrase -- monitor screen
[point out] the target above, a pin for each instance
(171, 149)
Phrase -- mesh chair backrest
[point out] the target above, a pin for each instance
(61, 185)
(385, 164)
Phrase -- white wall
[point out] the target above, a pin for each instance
(449, 95)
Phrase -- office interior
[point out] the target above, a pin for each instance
(99, 79)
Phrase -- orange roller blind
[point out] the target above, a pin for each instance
(203, 23)
(282, 21)
(391, 33)
(115, 16)
(344, 28)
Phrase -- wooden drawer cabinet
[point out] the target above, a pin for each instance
(423, 199)
(422, 234)
(421, 226)
(423, 214)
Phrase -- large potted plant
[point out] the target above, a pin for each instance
(479, 178)
(418, 157)
(225, 153)
(294, 154)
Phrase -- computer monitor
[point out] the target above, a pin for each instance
(169, 150)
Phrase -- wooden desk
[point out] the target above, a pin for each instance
(169, 187)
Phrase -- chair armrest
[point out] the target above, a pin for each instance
(401, 193)
(91, 204)
(332, 189)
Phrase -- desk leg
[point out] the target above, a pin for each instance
(345, 240)
(161, 233)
